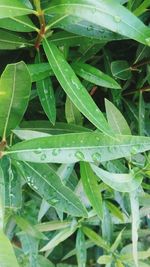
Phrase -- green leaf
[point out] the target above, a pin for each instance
(28, 228)
(116, 120)
(94, 75)
(18, 24)
(116, 242)
(13, 8)
(121, 69)
(11, 41)
(2, 198)
(46, 95)
(88, 29)
(96, 239)
(135, 224)
(81, 249)
(47, 98)
(58, 128)
(73, 87)
(39, 71)
(29, 247)
(115, 210)
(52, 226)
(69, 148)
(28, 134)
(15, 86)
(59, 237)
(104, 259)
(7, 255)
(91, 188)
(125, 182)
(141, 114)
(119, 263)
(45, 181)
(73, 115)
(142, 8)
(73, 252)
(69, 39)
(107, 13)
(12, 180)
(44, 262)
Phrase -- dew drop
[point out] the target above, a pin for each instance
(96, 157)
(97, 138)
(46, 91)
(147, 40)
(11, 195)
(43, 156)
(75, 84)
(117, 19)
(54, 201)
(38, 151)
(134, 150)
(79, 155)
(90, 28)
(110, 149)
(101, 30)
(35, 187)
(28, 178)
(55, 151)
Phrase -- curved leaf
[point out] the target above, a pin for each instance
(45, 181)
(73, 87)
(107, 13)
(90, 185)
(94, 75)
(69, 148)
(7, 255)
(18, 24)
(2, 198)
(15, 86)
(116, 119)
(11, 41)
(9, 8)
(125, 182)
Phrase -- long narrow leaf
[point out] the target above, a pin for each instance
(69, 148)
(73, 87)
(107, 13)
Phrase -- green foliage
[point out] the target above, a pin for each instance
(74, 133)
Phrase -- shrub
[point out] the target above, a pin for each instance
(74, 127)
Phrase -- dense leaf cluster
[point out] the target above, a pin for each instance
(74, 133)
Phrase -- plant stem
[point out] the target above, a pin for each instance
(41, 18)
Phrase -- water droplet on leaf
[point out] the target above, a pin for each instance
(38, 151)
(147, 40)
(96, 157)
(55, 151)
(117, 19)
(43, 156)
(79, 155)
(134, 150)
(90, 28)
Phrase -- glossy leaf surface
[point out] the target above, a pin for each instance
(71, 148)
(48, 185)
(13, 8)
(15, 86)
(108, 14)
(73, 87)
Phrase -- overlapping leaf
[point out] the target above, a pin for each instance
(15, 86)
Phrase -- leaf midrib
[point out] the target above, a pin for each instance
(100, 10)
(11, 103)
(48, 182)
(76, 96)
